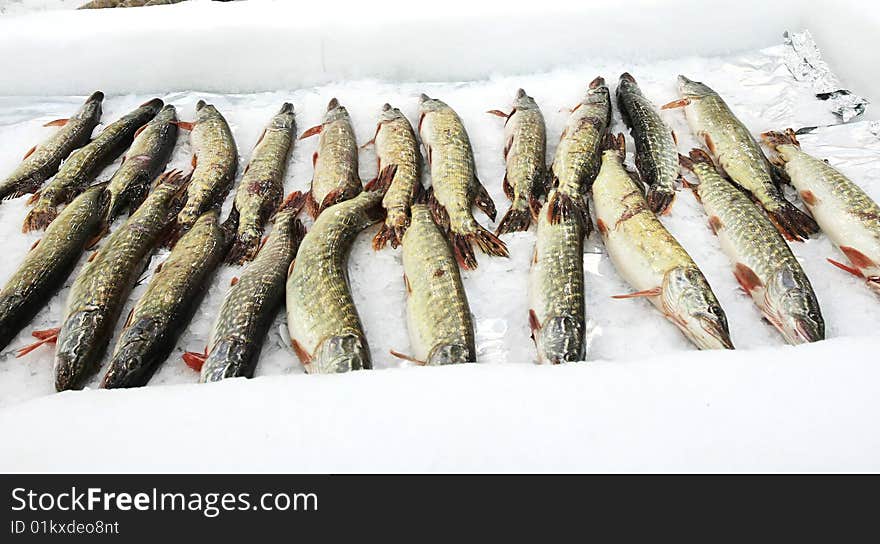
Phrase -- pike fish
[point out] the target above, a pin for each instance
(252, 302)
(50, 261)
(325, 329)
(455, 183)
(99, 292)
(762, 262)
(656, 149)
(525, 150)
(42, 161)
(735, 150)
(556, 289)
(85, 163)
(438, 317)
(579, 154)
(167, 306)
(650, 259)
(215, 161)
(846, 214)
(262, 185)
(396, 144)
(144, 160)
(335, 162)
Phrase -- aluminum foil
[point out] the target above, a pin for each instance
(804, 60)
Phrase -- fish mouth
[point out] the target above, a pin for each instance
(598, 82)
(448, 354)
(386, 106)
(287, 107)
(520, 93)
(333, 104)
(626, 76)
(808, 331)
(717, 331)
(200, 104)
(96, 96)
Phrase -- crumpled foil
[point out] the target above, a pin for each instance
(804, 60)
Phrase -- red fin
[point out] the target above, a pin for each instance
(710, 144)
(29, 153)
(159, 267)
(746, 277)
(290, 268)
(97, 237)
(603, 228)
(809, 197)
(128, 319)
(233, 281)
(534, 322)
(715, 223)
(406, 283)
(138, 133)
(484, 202)
(407, 357)
(854, 271)
(185, 125)
(57, 123)
(301, 352)
(195, 360)
(674, 137)
(368, 142)
(499, 113)
(646, 293)
(857, 258)
(35, 244)
(46, 336)
(508, 190)
(92, 256)
(311, 132)
(680, 103)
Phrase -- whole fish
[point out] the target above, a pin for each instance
(650, 259)
(579, 153)
(735, 150)
(85, 163)
(396, 144)
(42, 161)
(525, 151)
(145, 159)
(167, 306)
(99, 292)
(215, 160)
(556, 289)
(762, 262)
(262, 185)
(455, 183)
(252, 302)
(846, 214)
(335, 162)
(438, 317)
(656, 149)
(325, 329)
(50, 261)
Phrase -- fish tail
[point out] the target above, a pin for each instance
(792, 223)
(464, 253)
(660, 200)
(294, 202)
(489, 243)
(774, 138)
(386, 233)
(39, 217)
(564, 207)
(383, 180)
(244, 248)
(515, 220)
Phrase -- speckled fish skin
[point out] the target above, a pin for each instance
(455, 184)
(99, 292)
(262, 185)
(736, 151)
(656, 151)
(216, 160)
(525, 153)
(849, 217)
(252, 303)
(87, 162)
(556, 290)
(167, 306)
(438, 316)
(325, 329)
(336, 160)
(48, 264)
(578, 155)
(396, 144)
(762, 261)
(145, 159)
(44, 160)
(651, 260)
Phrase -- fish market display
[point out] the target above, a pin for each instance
(215, 161)
(735, 150)
(525, 150)
(42, 161)
(846, 214)
(100, 291)
(145, 159)
(455, 183)
(438, 316)
(650, 259)
(656, 151)
(168, 304)
(50, 261)
(762, 262)
(262, 185)
(325, 329)
(252, 302)
(85, 163)
(556, 288)
(578, 155)
(335, 162)
(396, 144)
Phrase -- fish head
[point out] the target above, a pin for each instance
(91, 109)
(689, 88)
(152, 106)
(168, 114)
(285, 118)
(135, 356)
(448, 354)
(341, 353)
(793, 308)
(598, 93)
(79, 348)
(627, 83)
(389, 113)
(335, 112)
(230, 357)
(428, 104)
(205, 111)
(689, 302)
(561, 339)
(522, 101)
